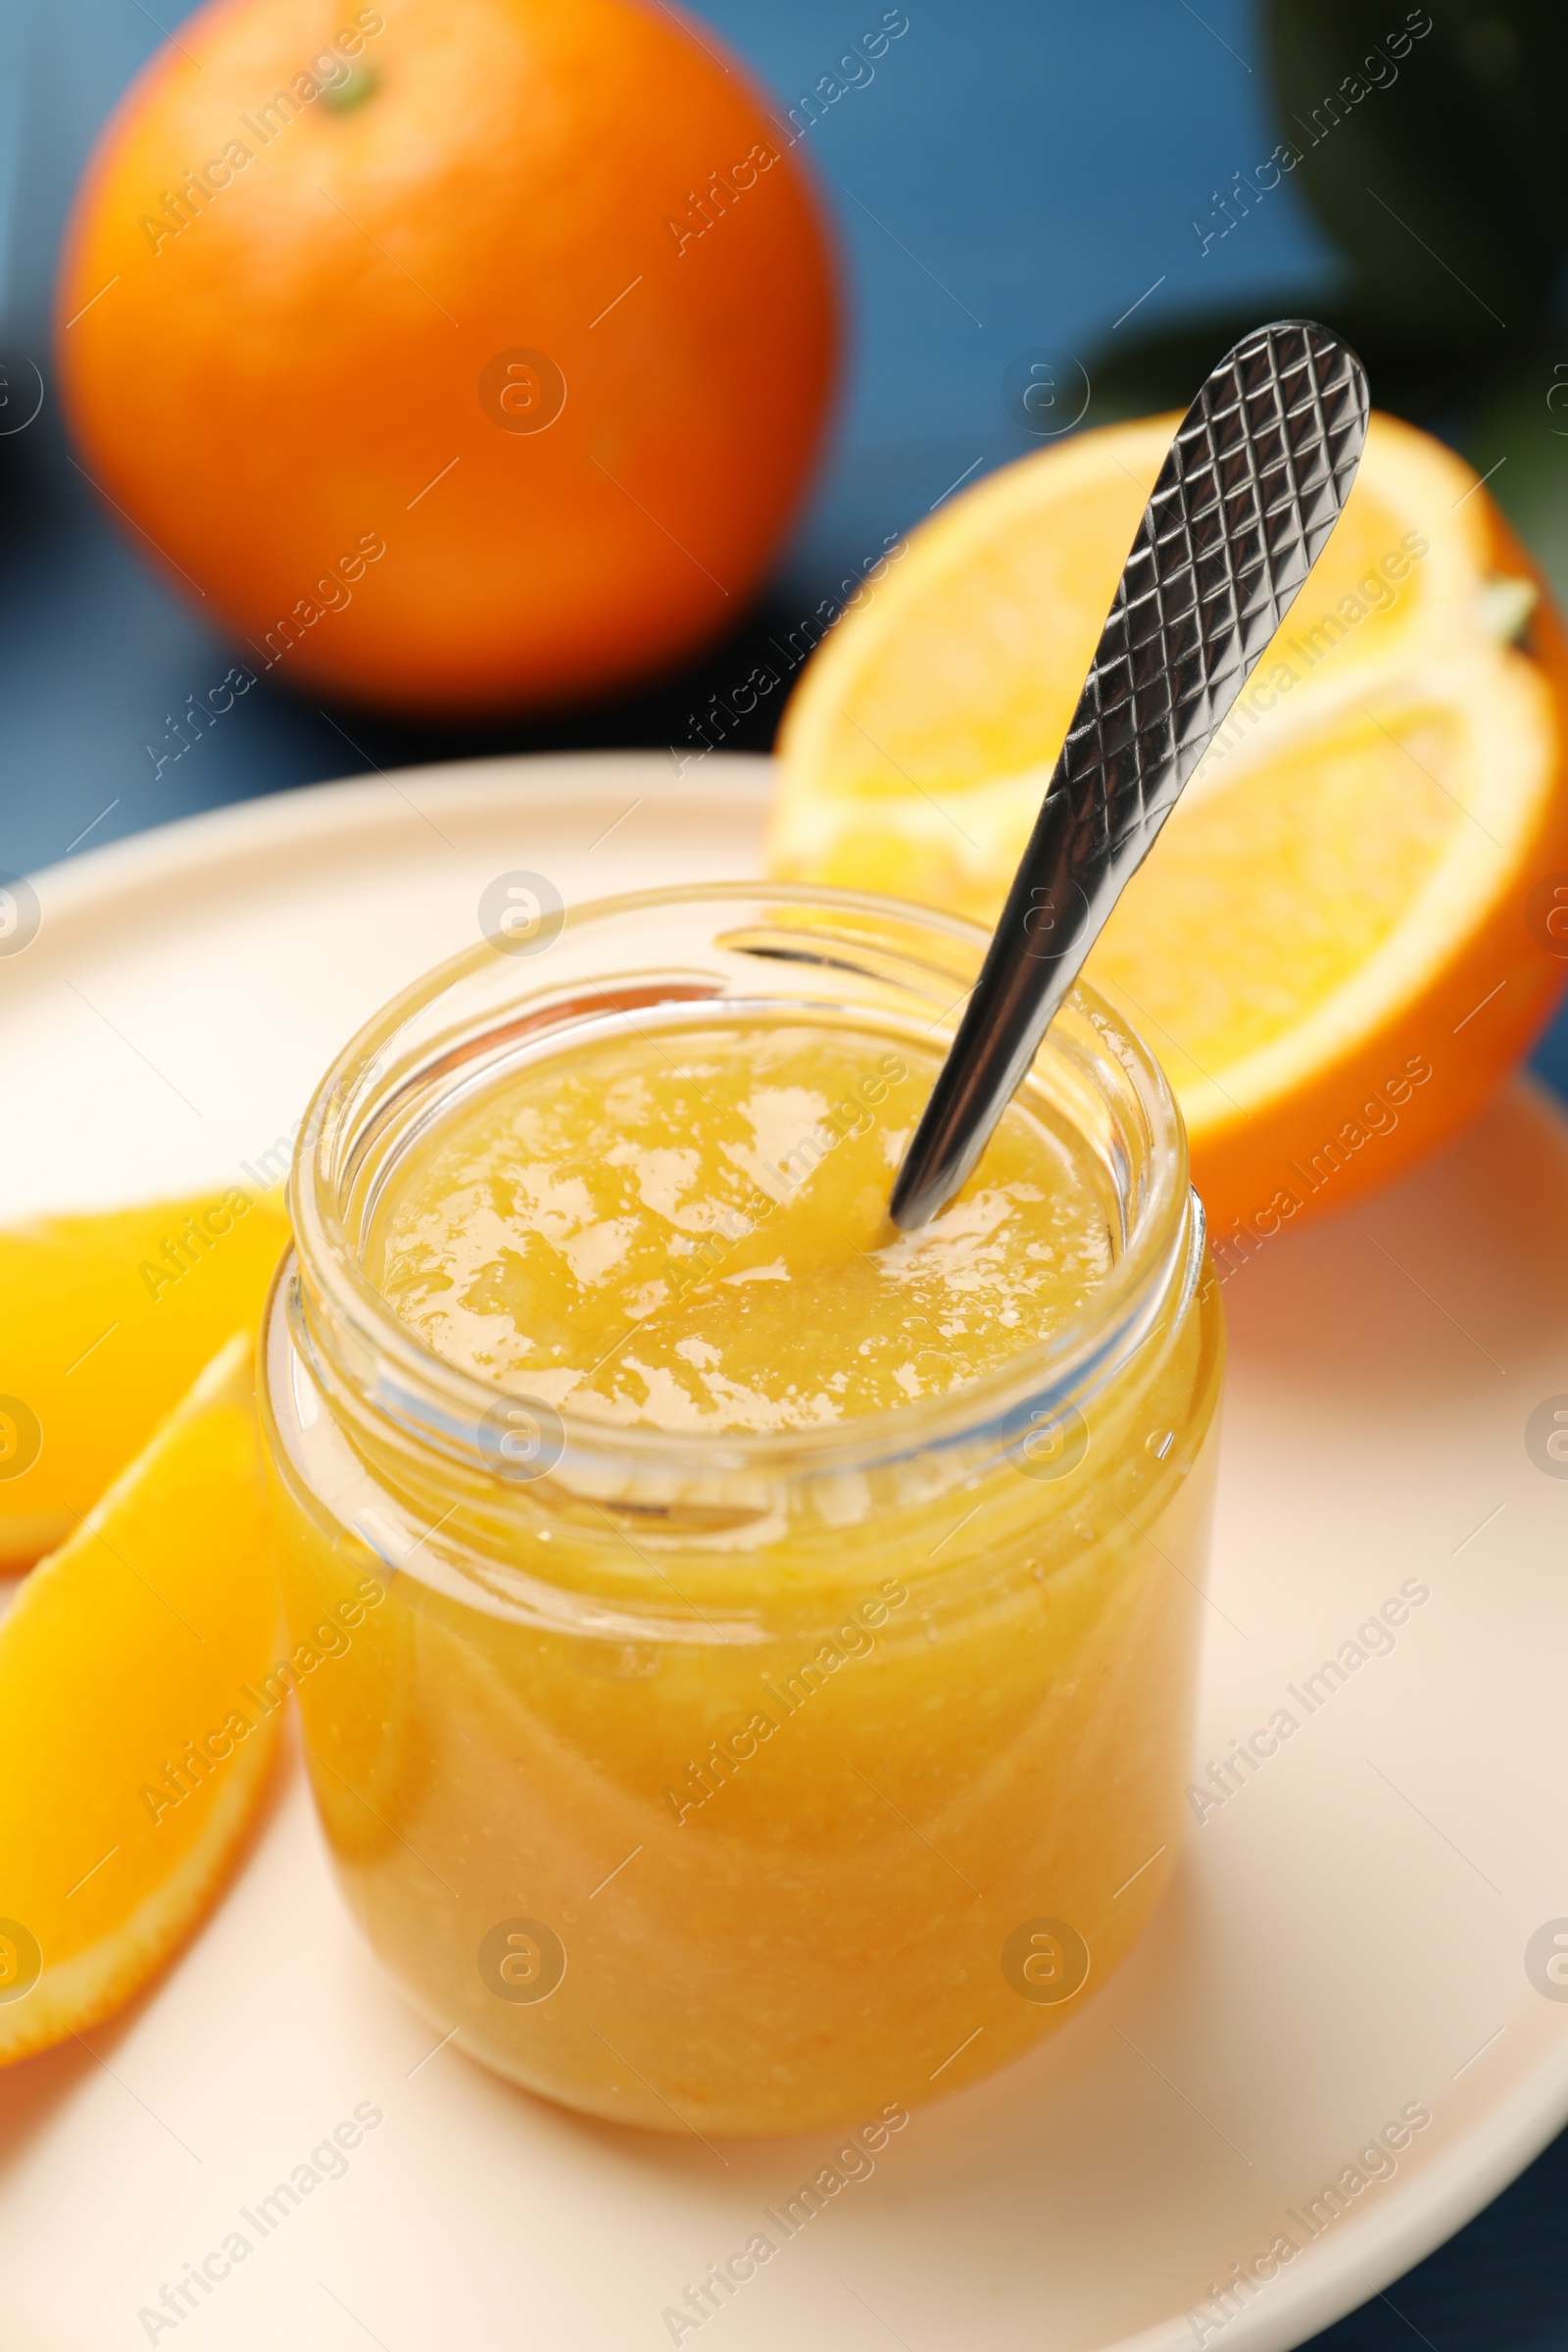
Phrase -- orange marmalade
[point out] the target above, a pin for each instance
(777, 1698)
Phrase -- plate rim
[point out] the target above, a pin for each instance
(307, 813)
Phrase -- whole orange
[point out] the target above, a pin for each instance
(456, 353)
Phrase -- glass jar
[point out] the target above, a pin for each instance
(743, 1783)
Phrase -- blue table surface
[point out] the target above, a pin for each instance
(1017, 174)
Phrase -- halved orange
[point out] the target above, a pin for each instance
(139, 1700)
(1347, 931)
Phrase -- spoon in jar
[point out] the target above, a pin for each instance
(1253, 485)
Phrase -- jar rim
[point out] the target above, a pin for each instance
(356, 1334)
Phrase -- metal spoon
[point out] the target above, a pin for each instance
(1256, 479)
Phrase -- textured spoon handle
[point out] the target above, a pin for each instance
(1254, 481)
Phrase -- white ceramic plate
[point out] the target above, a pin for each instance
(1346, 1938)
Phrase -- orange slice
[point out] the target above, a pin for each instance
(1347, 931)
(135, 1727)
(105, 1321)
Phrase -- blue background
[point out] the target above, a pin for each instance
(1017, 175)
